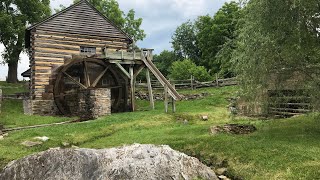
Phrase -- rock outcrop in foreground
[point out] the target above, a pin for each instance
(129, 162)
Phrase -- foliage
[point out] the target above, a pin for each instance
(181, 70)
(277, 150)
(164, 60)
(14, 18)
(184, 42)
(132, 26)
(216, 34)
(128, 23)
(203, 40)
(279, 40)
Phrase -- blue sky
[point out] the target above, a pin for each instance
(160, 19)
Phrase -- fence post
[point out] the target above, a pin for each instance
(217, 79)
(166, 98)
(191, 82)
(150, 89)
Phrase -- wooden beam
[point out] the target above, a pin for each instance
(173, 101)
(124, 70)
(150, 89)
(86, 74)
(75, 81)
(166, 98)
(95, 82)
(132, 88)
(138, 71)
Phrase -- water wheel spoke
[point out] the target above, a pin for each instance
(94, 84)
(86, 74)
(75, 81)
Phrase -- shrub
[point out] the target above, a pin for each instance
(184, 69)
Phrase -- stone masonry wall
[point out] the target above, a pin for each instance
(39, 107)
(94, 103)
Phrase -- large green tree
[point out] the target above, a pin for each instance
(15, 15)
(216, 34)
(184, 42)
(164, 60)
(201, 41)
(126, 22)
(279, 40)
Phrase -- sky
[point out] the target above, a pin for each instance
(160, 19)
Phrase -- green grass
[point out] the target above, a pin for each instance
(279, 149)
(9, 88)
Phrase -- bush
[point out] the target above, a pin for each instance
(181, 70)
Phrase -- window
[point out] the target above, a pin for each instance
(87, 50)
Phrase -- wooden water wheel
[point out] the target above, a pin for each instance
(85, 73)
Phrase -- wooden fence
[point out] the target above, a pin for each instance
(192, 83)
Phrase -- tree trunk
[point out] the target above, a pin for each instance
(13, 71)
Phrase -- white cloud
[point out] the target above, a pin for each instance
(160, 19)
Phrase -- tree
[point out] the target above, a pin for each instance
(164, 60)
(217, 33)
(184, 42)
(181, 70)
(128, 23)
(15, 15)
(277, 41)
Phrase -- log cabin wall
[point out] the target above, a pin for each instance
(59, 37)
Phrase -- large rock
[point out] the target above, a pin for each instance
(128, 162)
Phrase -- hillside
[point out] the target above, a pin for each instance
(279, 149)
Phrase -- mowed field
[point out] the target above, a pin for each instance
(279, 149)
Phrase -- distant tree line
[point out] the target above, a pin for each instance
(259, 41)
(205, 43)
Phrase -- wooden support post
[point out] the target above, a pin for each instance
(192, 82)
(166, 98)
(150, 89)
(132, 88)
(217, 79)
(173, 101)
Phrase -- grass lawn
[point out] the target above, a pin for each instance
(279, 149)
(9, 88)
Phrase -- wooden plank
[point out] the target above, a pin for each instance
(150, 89)
(124, 70)
(166, 98)
(95, 82)
(132, 88)
(173, 102)
(75, 81)
(138, 71)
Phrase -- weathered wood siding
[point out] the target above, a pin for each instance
(61, 37)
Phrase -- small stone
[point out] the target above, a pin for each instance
(221, 171)
(205, 117)
(5, 134)
(65, 144)
(1, 138)
(222, 177)
(185, 121)
(43, 139)
(31, 143)
(74, 147)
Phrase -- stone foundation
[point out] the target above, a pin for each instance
(39, 107)
(87, 104)
(94, 103)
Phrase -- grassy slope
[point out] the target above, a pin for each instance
(12, 110)
(280, 149)
(12, 88)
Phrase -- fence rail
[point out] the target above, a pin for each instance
(192, 83)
